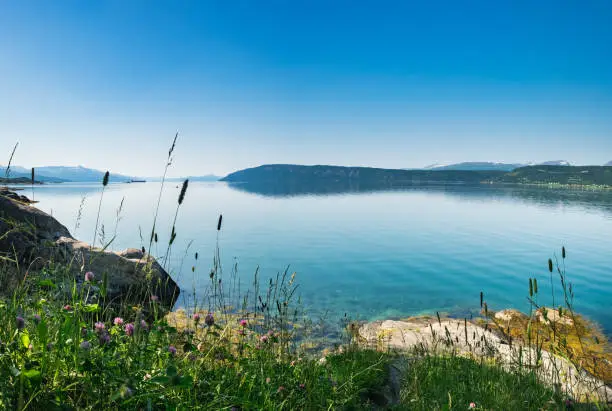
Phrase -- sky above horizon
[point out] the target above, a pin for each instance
(392, 84)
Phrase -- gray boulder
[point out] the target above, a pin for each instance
(33, 239)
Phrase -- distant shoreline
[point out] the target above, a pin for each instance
(581, 187)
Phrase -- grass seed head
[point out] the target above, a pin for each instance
(183, 191)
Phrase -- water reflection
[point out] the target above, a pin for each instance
(594, 200)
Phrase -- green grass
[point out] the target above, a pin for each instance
(60, 358)
(57, 358)
(440, 383)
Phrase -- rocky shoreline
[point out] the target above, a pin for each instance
(480, 341)
(33, 240)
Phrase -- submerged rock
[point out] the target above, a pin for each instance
(34, 239)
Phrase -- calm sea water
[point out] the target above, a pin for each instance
(371, 255)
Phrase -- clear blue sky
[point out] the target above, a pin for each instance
(380, 83)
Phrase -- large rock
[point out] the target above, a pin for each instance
(547, 315)
(461, 337)
(510, 315)
(34, 238)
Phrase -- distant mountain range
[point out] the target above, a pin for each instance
(60, 174)
(476, 165)
(80, 174)
(552, 163)
(20, 172)
(486, 165)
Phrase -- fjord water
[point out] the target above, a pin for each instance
(371, 255)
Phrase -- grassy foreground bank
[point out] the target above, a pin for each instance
(59, 352)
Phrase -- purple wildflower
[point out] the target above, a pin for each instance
(154, 298)
(99, 326)
(263, 339)
(196, 318)
(172, 350)
(20, 322)
(209, 320)
(118, 321)
(89, 276)
(37, 318)
(85, 345)
(67, 307)
(243, 323)
(129, 329)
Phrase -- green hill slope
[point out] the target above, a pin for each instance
(564, 175)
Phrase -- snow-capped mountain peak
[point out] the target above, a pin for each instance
(555, 163)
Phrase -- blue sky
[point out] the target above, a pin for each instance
(384, 83)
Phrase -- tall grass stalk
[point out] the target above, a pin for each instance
(181, 198)
(7, 172)
(118, 216)
(104, 184)
(161, 190)
(32, 183)
(77, 222)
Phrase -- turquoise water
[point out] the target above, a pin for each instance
(371, 255)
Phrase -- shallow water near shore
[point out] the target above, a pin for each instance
(371, 255)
